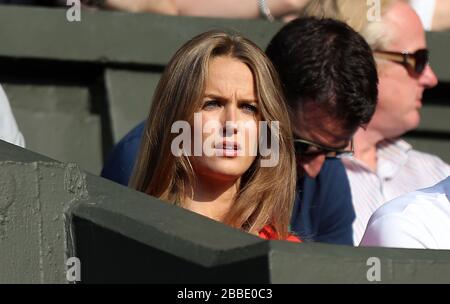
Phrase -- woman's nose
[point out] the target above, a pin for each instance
(230, 121)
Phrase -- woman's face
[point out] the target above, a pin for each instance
(229, 121)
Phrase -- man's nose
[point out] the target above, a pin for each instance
(312, 164)
(428, 78)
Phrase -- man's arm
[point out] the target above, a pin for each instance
(395, 231)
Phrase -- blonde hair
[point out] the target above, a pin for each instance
(266, 194)
(321, 9)
(355, 14)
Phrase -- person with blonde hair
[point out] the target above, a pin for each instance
(385, 166)
(360, 15)
(228, 81)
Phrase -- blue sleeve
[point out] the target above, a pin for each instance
(324, 210)
(120, 162)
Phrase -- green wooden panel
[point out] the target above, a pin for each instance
(435, 118)
(132, 233)
(34, 244)
(129, 98)
(104, 36)
(62, 136)
(322, 263)
(56, 121)
(48, 98)
(439, 45)
(109, 37)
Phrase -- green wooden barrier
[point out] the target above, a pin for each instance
(51, 212)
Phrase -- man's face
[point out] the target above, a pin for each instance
(315, 125)
(401, 89)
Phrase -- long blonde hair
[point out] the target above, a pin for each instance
(266, 194)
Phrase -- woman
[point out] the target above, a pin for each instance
(227, 82)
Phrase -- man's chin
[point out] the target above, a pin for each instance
(301, 172)
(409, 125)
(413, 123)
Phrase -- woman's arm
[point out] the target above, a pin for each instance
(167, 7)
(441, 18)
(237, 8)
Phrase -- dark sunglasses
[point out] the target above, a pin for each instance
(307, 148)
(417, 61)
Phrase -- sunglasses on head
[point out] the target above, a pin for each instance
(305, 147)
(417, 61)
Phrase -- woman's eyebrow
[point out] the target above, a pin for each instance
(251, 100)
(214, 95)
(220, 97)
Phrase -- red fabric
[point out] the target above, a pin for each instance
(269, 233)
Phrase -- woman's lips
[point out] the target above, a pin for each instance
(227, 148)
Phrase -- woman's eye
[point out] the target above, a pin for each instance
(210, 104)
(250, 108)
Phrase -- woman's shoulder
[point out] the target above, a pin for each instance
(269, 233)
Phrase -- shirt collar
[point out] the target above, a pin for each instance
(392, 155)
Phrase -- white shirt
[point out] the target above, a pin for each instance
(425, 10)
(419, 219)
(400, 170)
(8, 127)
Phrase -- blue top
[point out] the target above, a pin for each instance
(120, 161)
(323, 210)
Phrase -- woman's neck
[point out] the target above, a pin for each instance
(211, 198)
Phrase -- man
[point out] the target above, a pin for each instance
(416, 220)
(330, 81)
(385, 167)
(8, 127)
